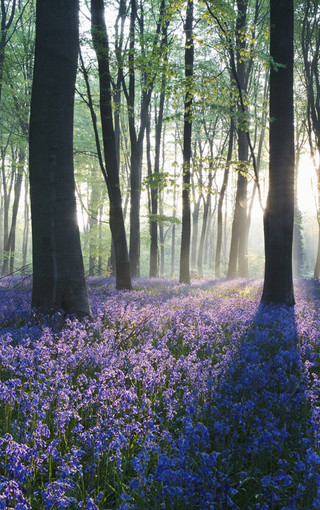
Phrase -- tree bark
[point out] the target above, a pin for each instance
(7, 189)
(58, 275)
(154, 270)
(8, 263)
(187, 132)
(136, 148)
(135, 195)
(221, 199)
(26, 227)
(174, 210)
(207, 205)
(195, 229)
(93, 253)
(279, 212)
(238, 261)
(161, 238)
(137, 136)
(152, 207)
(101, 46)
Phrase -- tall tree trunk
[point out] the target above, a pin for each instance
(93, 223)
(206, 255)
(207, 206)
(17, 193)
(225, 230)
(137, 136)
(238, 260)
(135, 195)
(195, 229)
(100, 241)
(212, 242)
(25, 239)
(187, 131)
(279, 212)
(5, 203)
(135, 168)
(58, 274)
(101, 46)
(161, 237)
(14, 185)
(242, 202)
(152, 208)
(154, 186)
(136, 154)
(297, 246)
(93, 228)
(207, 209)
(173, 246)
(8, 183)
(221, 199)
(174, 210)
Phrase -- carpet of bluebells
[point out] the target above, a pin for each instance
(170, 397)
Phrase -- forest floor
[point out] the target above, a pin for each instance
(171, 397)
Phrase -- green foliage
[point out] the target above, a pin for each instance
(162, 219)
(158, 181)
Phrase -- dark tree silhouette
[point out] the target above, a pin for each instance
(279, 212)
(186, 217)
(58, 276)
(111, 172)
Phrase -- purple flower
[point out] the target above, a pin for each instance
(172, 395)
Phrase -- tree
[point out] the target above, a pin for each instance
(111, 172)
(187, 131)
(7, 17)
(206, 210)
(58, 275)
(148, 61)
(279, 211)
(9, 242)
(310, 44)
(238, 261)
(15, 109)
(155, 176)
(221, 199)
(240, 30)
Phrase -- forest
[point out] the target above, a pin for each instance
(160, 254)
(224, 91)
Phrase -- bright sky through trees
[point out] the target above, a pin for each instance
(307, 185)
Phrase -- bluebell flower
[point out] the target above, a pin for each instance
(182, 394)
